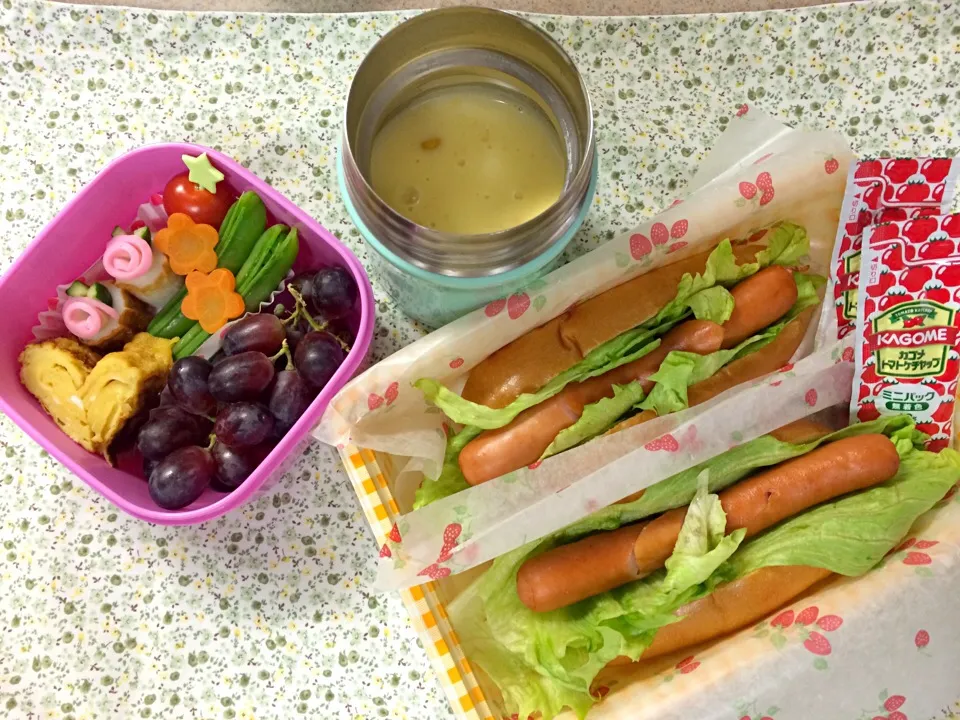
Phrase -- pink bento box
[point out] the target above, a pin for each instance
(75, 239)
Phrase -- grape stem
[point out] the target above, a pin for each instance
(213, 441)
(301, 309)
(285, 351)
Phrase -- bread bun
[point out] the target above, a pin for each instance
(734, 606)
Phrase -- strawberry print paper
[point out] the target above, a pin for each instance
(807, 626)
(908, 326)
(749, 712)
(915, 553)
(760, 190)
(686, 666)
(880, 191)
(889, 707)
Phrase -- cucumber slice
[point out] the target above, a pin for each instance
(77, 289)
(117, 231)
(100, 292)
(142, 233)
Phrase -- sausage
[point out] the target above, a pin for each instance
(759, 301)
(835, 469)
(754, 504)
(522, 441)
(798, 432)
(761, 501)
(570, 573)
(768, 359)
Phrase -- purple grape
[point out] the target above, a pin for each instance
(263, 332)
(169, 429)
(318, 357)
(234, 465)
(301, 283)
(181, 478)
(188, 385)
(126, 439)
(176, 413)
(343, 330)
(166, 397)
(295, 334)
(289, 398)
(219, 487)
(333, 293)
(241, 377)
(243, 424)
(149, 466)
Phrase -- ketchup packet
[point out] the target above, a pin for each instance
(908, 325)
(881, 191)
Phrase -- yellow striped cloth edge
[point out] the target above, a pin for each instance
(427, 613)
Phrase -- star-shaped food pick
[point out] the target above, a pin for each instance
(202, 172)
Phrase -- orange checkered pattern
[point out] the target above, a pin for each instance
(426, 611)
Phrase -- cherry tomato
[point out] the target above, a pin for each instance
(182, 196)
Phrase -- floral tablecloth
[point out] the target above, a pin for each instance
(266, 613)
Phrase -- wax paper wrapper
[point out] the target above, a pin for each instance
(759, 173)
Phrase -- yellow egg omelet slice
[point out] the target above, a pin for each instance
(54, 371)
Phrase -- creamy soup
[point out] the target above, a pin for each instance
(469, 160)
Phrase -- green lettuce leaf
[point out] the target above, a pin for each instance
(701, 546)
(597, 418)
(714, 304)
(672, 379)
(546, 661)
(786, 244)
(451, 479)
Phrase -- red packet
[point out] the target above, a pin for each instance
(882, 191)
(908, 325)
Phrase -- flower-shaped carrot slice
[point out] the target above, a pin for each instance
(188, 245)
(211, 299)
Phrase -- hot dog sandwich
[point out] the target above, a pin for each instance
(666, 340)
(695, 557)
